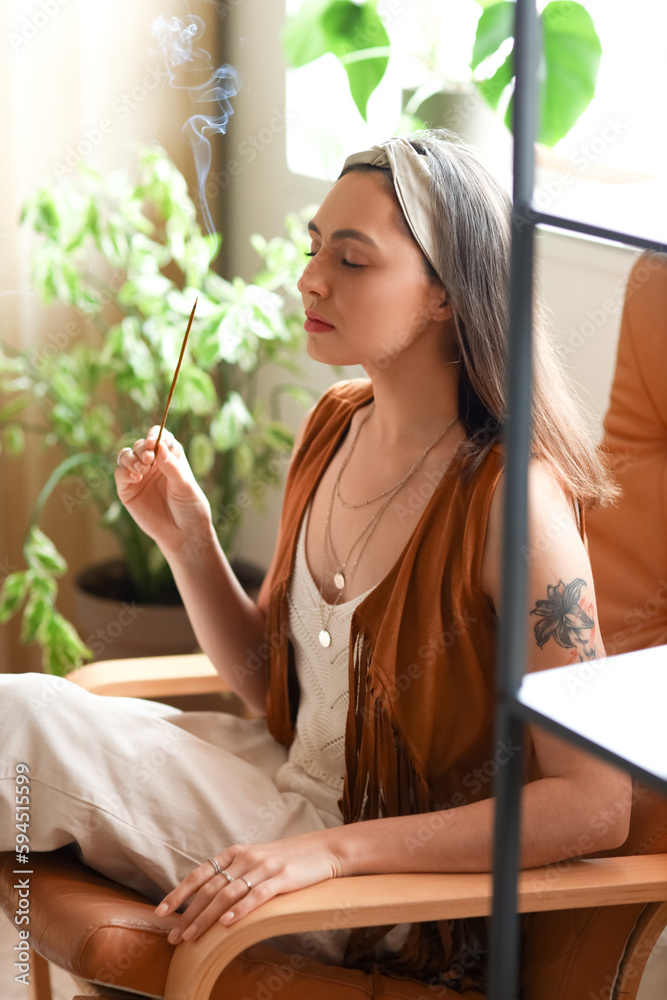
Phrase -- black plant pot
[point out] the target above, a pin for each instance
(116, 626)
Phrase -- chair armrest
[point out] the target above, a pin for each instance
(150, 676)
(369, 900)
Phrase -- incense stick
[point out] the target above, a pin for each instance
(173, 381)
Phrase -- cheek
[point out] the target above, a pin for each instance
(400, 304)
(393, 292)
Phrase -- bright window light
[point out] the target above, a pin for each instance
(610, 169)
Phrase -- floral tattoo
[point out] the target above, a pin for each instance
(563, 618)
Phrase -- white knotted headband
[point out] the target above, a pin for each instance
(412, 181)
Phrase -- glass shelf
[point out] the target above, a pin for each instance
(618, 704)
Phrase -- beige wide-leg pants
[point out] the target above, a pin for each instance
(146, 791)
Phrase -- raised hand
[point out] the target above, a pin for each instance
(161, 492)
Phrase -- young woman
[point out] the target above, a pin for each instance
(369, 656)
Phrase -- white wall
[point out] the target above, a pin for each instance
(583, 284)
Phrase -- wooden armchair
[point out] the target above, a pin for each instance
(595, 920)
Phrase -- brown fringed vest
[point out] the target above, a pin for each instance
(419, 733)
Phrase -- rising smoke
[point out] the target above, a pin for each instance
(192, 68)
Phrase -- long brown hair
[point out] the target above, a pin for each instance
(473, 237)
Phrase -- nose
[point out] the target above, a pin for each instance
(313, 280)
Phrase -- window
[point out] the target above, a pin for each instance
(611, 169)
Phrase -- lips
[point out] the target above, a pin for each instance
(316, 323)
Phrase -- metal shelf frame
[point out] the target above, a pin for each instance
(511, 714)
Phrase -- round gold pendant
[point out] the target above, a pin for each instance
(339, 580)
(325, 638)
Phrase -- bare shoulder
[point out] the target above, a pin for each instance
(562, 619)
(552, 525)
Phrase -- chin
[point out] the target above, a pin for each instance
(329, 353)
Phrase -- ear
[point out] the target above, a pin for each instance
(440, 306)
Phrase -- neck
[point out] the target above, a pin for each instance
(416, 395)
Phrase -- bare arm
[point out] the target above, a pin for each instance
(166, 501)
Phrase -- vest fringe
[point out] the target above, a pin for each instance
(382, 780)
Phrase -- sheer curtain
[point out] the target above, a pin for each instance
(79, 80)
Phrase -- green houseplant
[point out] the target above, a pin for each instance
(130, 257)
(354, 32)
(568, 64)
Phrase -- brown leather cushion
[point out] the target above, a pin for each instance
(572, 954)
(91, 926)
(628, 541)
(105, 933)
(262, 972)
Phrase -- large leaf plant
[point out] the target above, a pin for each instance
(568, 57)
(130, 257)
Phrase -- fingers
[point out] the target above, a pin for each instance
(135, 462)
(234, 883)
(188, 886)
(259, 892)
(214, 897)
(218, 900)
(167, 439)
(138, 460)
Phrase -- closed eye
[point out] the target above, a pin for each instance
(344, 262)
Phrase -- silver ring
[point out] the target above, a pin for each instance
(244, 879)
(118, 457)
(230, 878)
(216, 867)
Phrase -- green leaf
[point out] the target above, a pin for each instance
(304, 37)
(41, 553)
(277, 435)
(44, 586)
(494, 26)
(572, 53)
(140, 362)
(194, 392)
(12, 594)
(146, 397)
(63, 648)
(47, 220)
(228, 427)
(364, 77)
(8, 364)
(244, 459)
(354, 30)
(300, 393)
(351, 31)
(217, 288)
(35, 617)
(66, 382)
(201, 455)
(14, 439)
(492, 89)
(207, 350)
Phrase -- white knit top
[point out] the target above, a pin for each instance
(316, 764)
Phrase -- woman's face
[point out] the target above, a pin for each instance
(365, 291)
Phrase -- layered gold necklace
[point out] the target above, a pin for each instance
(341, 578)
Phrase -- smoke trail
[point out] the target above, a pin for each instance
(192, 69)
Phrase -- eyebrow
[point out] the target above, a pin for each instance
(346, 234)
